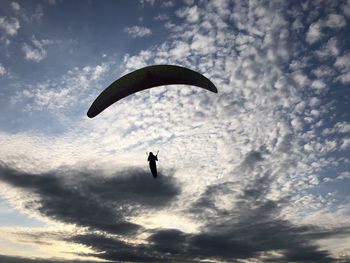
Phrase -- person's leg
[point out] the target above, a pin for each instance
(153, 168)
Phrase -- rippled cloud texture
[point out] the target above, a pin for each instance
(256, 173)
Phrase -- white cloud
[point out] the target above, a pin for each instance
(222, 7)
(145, 2)
(9, 25)
(343, 61)
(138, 31)
(180, 50)
(343, 64)
(345, 145)
(341, 176)
(335, 21)
(62, 95)
(135, 62)
(339, 128)
(38, 14)
(344, 78)
(36, 51)
(189, 2)
(323, 72)
(330, 49)
(161, 17)
(2, 70)
(300, 78)
(314, 33)
(15, 6)
(344, 175)
(190, 13)
(342, 127)
(346, 8)
(167, 4)
(314, 101)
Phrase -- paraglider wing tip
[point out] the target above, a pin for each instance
(213, 88)
(90, 114)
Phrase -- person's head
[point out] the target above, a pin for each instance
(151, 153)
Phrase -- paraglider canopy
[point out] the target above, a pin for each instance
(145, 78)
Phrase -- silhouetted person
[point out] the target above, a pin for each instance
(152, 163)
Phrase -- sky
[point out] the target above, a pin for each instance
(258, 172)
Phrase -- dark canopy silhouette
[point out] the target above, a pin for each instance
(146, 78)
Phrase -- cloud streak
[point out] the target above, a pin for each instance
(138, 31)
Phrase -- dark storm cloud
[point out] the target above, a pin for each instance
(169, 241)
(251, 228)
(248, 230)
(90, 200)
(165, 245)
(13, 259)
(111, 248)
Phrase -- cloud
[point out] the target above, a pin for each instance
(342, 62)
(332, 21)
(64, 94)
(37, 14)
(344, 78)
(35, 53)
(190, 13)
(9, 25)
(253, 228)
(2, 70)
(171, 241)
(14, 259)
(341, 127)
(345, 7)
(314, 33)
(15, 6)
(138, 31)
(330, 49)
(335, 21)
(52, 2)
(341, 176)
(161, 17)
(167, 4)
(109, 248)
(345, 144)
(86, 199)
(36, 50)
(147, 2)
